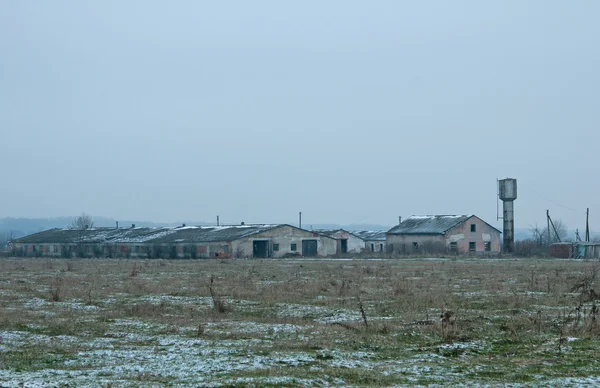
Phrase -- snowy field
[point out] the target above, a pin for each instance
(313, 323)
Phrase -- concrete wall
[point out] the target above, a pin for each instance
(48, 250)
(139, 250)
(203, 250)
(405, 243)
(377, 246)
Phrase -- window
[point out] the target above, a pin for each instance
(372, 247)
(453, 247)
(275, 247)
(380, 247)
(415, 245)
(473, 226)
(137, 249)
(472, 246)
(293, 247)
(488, 246)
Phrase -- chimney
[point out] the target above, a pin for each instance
(243, 223)
(399, 220)
(117, 224)
(183, 225)
(132, 226)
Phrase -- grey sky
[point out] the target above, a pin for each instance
(350, 111)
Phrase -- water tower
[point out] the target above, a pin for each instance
(507, 192)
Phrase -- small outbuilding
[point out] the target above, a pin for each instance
(374, 240)
(347, 242)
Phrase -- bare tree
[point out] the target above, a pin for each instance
(560, 230)
(83, 222)
(541, 235)
(6, 238)
(3, 240)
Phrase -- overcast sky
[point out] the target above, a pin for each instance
(349, 111)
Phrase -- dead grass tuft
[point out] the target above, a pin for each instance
(57, 288)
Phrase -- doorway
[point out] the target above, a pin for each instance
(260, 249)
(344, 245)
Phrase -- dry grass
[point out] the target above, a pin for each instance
(359, 322)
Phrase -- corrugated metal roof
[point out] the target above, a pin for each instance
(428, 224)
(370, 235)
(331, 232)
(215, 233)
(145, 235)
(326, 232)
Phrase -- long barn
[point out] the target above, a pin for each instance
(259, 241)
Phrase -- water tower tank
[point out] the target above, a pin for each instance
(508, 189)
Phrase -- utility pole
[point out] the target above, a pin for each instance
(218, 221)
(548, 222)
(300, 220)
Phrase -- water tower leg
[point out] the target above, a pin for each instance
(509, 227)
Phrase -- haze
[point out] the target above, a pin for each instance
(349, 111)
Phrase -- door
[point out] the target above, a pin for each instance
(260, 249)
(309, 248)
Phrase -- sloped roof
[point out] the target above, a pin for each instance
(162, 235)
(428, 224)
(214, 233)
(370, 235)
(327, 232)
(94, 235)
(331, 232)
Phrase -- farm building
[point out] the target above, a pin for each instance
(347, 242)
(443, 233)
(185, 241)
(374, 239)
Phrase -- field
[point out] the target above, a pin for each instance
(468, 322)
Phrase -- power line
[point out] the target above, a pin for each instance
(550, 200)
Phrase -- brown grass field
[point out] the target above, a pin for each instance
(300, 322)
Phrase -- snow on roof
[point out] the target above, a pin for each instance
(432, 224)
(370, 235)
(160, 235)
